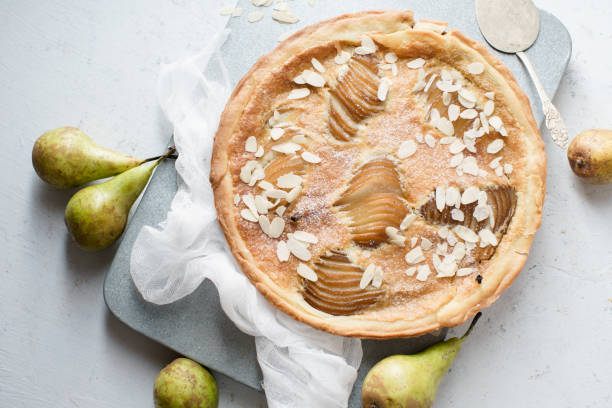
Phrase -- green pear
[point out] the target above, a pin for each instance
(96, 215)
(410, 381)
(185, 384)
(66, 157)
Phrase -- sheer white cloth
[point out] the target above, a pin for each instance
(302, 367)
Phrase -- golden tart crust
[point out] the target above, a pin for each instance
(355, 199)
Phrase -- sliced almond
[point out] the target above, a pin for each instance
(453, 112)
(286, 17)
(495, 146)
(286, 148)
(306, 272)
(426, 244)
(423, 272)
(251, 144)
(298, 93)
(414, 256)
(311, 157)
(282, 252)
(378, 277)
(280, 210)
(395, 237)
(248, 215)
(490, 95)
(406, 149)
(465, 271)
(317, 65)
(411, 271)
(495, 122)
(304, 236)
(465, 233)
(276, 227)
(289, 180)
(298, 249)
(416, 63)
(407, 221)
(367, 276)
(475, 68)
(255, 16)
(294, 193)
(508, 168)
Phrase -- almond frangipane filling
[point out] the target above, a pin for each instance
(356, 84)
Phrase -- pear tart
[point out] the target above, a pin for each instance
(379, 177)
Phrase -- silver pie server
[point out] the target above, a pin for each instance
(512, 26)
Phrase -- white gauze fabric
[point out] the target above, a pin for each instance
(302, 367)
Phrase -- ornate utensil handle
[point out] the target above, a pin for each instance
(554, 121)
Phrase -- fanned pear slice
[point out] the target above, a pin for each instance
(337, 291)
(372, 202)
(354, 98)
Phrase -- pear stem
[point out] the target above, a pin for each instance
(168, 155)
(474, 320)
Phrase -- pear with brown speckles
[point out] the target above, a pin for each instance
(411, 381)
(66, 157)
(96, 215)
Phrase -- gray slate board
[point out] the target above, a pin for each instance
(196, 326)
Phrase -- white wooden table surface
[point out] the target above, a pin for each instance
(94, 64)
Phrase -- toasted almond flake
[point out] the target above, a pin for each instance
(276, 227)
(249, 201)
(286, 148)
(489, 106)
(248, 215)
(453, 112)
(275, 193)
(407, 221)
(445, 126)
(470, 195)
(298, 250)
(294, 193)
(414, 256)
(426, 244)
(440, 198)
(430, 140)
(428, 85)
(285, 35)
(261, 204)
(467, 95)
(442, 248)
(502, 131)
(286, 17)
(317, 65)
(456, 147)
(258, 174)
(446, 268)
(469, 114)
(457, 214)
(416, 63)
(367, 276)
(456, 160)
(264, 223)
(508, 168)
(423, 272)
(367, 46)
(443, 232)
(255, 16)
(282, 252)
(495, 162)
(411, 271)
(383, 89)
(434, 116)
(276, 133)
(237, 199)
(342, 58)
(289, 180)
(313, 78)
(391, 58)
(475, 68)
(485, 122)
(237, 12)
(458, 251)
(406, 149)
(465, 271)
(466, 103)
(446, 98)
(280, 210)
(304, 236)
(226, 11)
(413, 241)
(452, 196)
(259, 152)
(465, 233)
(490, 95)
(306, 272)
(395, 237)
(451, 239)
(499, 171)
(251, 144)
(495, 146)
(447, 86)
(495, 122)
(487, 238)
(298, 93)
(378, 277)
(311, 157)
(299, 139)
(300, 79)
